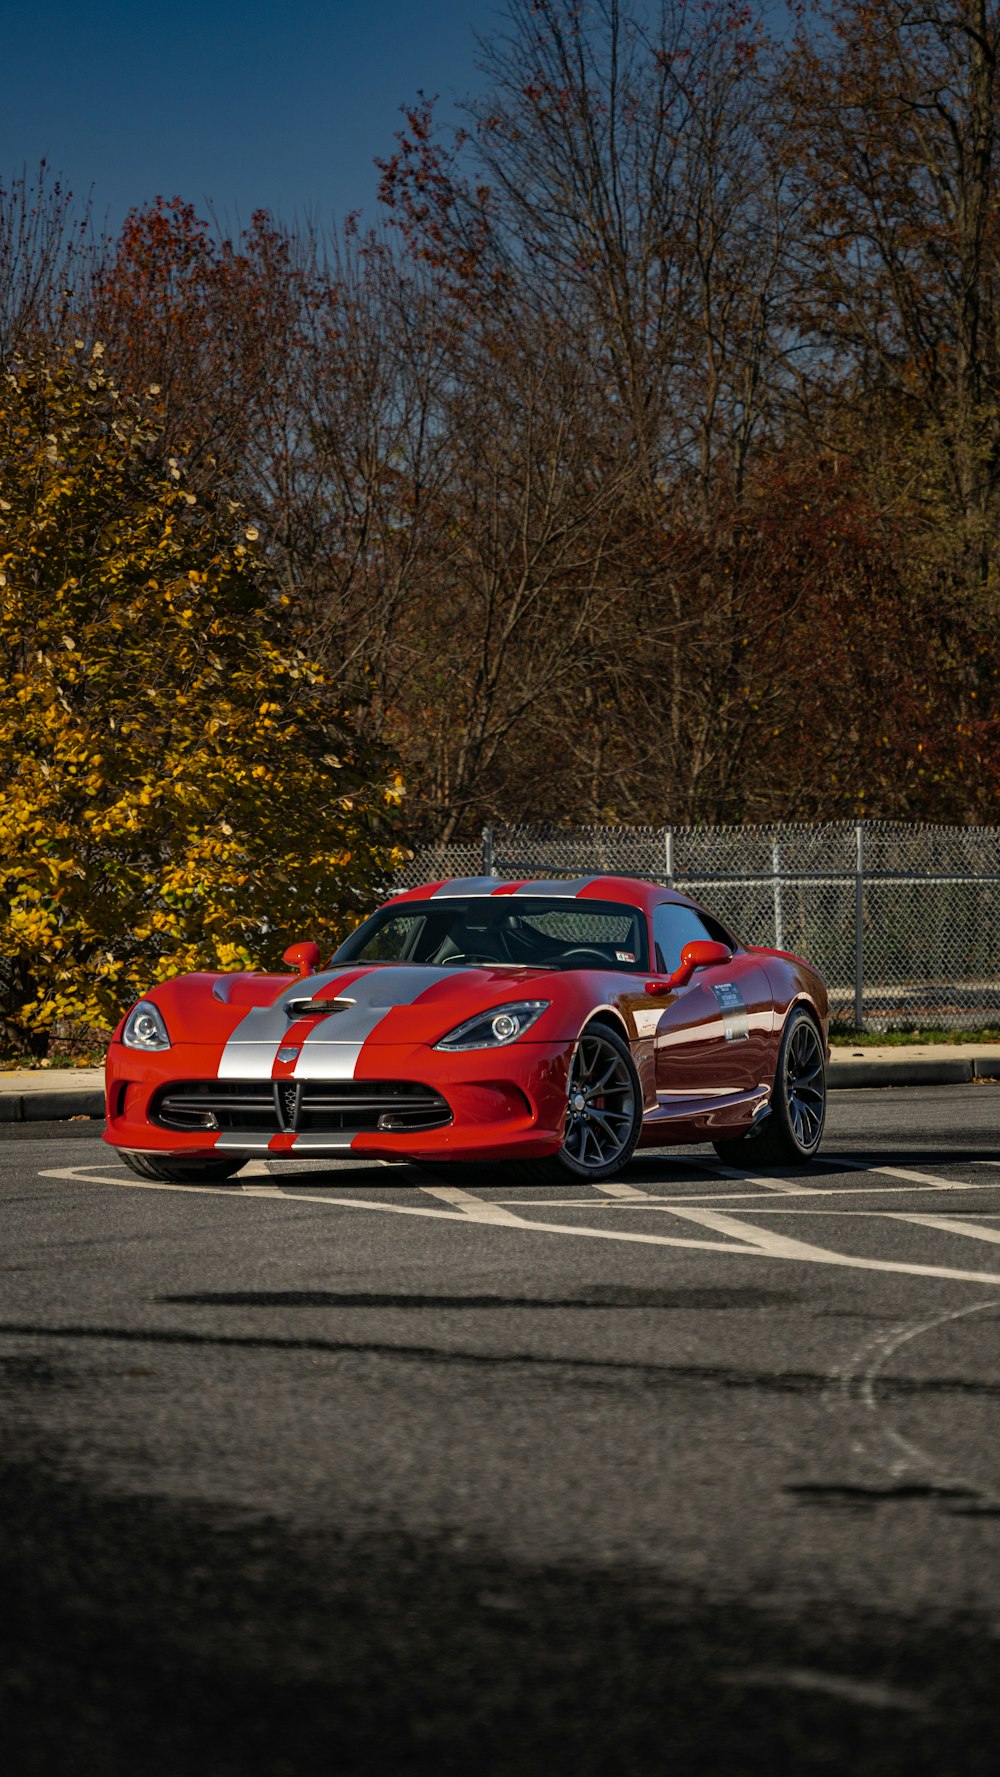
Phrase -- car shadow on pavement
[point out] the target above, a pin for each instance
(139, 1635)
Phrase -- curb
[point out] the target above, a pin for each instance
(49, 1107)
(842, 1076)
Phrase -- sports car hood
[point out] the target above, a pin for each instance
(384, 1003)
(390, 1003)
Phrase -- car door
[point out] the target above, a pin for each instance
(713, 1034)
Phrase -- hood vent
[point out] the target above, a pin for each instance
(316, 1008)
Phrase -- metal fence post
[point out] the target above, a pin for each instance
(779, 928)
(859, 925)
(668, 850)
(487, 851)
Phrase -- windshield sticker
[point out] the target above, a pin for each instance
(734, 1012)
(625, 956)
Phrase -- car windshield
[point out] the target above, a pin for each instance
(511, 931)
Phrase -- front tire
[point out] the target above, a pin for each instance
(794, 1130)
(603, 1116)
(179, 1172)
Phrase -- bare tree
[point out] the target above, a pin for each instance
(47, 256)
(891, 120)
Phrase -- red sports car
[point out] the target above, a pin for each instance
(556, 1024)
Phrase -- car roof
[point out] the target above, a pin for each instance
(630, 889)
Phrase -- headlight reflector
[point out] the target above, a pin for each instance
(144, 1028)
(494, 1029)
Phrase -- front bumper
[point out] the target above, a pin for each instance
(504, 1103)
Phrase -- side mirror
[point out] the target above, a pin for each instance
(699, 953)
(304, 957)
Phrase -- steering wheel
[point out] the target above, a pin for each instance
(596, 958)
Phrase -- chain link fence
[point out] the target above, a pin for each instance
(903, 921)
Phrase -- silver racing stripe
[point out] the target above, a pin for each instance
(249, 1054)
(460, 886)
(254, 1060)
(566, 888)
(331, 1050)
(328, 1143)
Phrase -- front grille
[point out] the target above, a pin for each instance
(315, 1105)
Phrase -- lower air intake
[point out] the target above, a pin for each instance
(316, 1106)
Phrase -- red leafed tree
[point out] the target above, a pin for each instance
(202, 318)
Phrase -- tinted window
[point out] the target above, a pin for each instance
(545, 933)
(673, 927)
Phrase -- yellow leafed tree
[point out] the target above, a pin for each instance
(178, 787)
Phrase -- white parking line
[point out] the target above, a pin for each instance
(904, 1172)
(779, 1246)
(476, 1208)
(783, 1187)
(649, 1201)
(613, 1188)
(742, 1239)
(765, 1240)
(85, 1176)
(950, 1225)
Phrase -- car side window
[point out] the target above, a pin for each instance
(673, 927)
(719, 933)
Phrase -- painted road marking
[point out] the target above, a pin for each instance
(827, 1684)
(766, 1240)
(780, 1246)
(950, 1225)
(476, 1208)
(652, 1202)
(614, 1188)
(742, 1239)
(84, 1175)
(904, 1172)
(784, 1187)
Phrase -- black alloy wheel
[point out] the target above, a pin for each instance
(794, 1129)
(179, 1172)
(603, 1112)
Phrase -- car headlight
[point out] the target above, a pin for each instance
(494, 1029)
(144, 1028)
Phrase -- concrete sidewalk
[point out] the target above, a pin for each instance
(41, 1095)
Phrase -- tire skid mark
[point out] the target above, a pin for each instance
(855, 1386)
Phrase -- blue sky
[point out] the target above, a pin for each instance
(243, 105)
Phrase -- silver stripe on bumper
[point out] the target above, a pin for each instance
(330, 1142)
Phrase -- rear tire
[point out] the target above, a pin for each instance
(793, 1132)
(179, 1172)
(603, 1117)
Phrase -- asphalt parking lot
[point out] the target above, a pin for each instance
(368, 1469)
